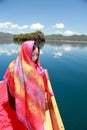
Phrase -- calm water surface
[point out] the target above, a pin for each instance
(67, 68)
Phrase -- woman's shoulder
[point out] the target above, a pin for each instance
(12, 64)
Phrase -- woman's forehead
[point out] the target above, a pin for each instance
(35, 50)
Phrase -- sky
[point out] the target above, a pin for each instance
(66, 17)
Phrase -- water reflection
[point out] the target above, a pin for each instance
(9, 49)
(73, 44)
(58, 54)
(13, 48)
(55, 48)
(6, 40)
(58, 49)
(68, 48)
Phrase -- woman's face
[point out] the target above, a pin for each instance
(35, 54)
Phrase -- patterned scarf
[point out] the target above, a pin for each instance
(27, 85)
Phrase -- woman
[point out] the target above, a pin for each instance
(27, 83)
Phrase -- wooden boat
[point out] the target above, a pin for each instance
(53, 119)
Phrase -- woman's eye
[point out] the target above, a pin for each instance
(35, 55)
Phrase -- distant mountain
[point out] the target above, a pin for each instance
(59, 37)
(6, 37)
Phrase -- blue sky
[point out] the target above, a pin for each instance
(67, 17)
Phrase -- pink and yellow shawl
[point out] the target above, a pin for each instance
(28, 87)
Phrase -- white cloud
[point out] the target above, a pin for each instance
(11, 25)
(36, 26)
(5, 24)
(59, 25)
(68, 32)
(15, 26)
(58, 32)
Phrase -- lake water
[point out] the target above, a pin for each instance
(67, 67)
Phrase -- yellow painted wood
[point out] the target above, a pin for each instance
(47, 123)
(55, 116)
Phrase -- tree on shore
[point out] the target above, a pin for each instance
(38, 36)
